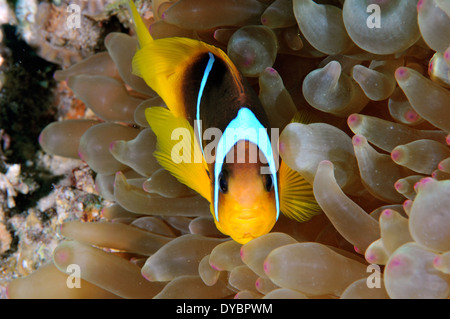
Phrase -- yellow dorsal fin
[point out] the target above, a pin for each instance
(296, 195)
(175, 135)
(162, 62)
(142, 32)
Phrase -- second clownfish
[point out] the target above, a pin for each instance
(238, 172)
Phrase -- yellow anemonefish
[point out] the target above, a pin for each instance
(203, 89)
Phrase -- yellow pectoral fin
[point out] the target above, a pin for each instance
(305, 117)
(296, 195)
(177, 151)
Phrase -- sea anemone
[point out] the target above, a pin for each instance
(375, 148)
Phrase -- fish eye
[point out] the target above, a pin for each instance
(223, 183)
(268, 182)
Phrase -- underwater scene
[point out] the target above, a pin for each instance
(225, 149)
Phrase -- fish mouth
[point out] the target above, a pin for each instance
(246, 214)
(245, 224)
(246, 228)
(246, 217)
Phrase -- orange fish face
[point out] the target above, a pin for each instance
(246, 203)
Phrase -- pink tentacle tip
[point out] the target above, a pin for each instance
(163, 16)
(61, 256)
(146, 187)
(146, 276)
(353, 120)
(437, 262)
(281, 147)
(357, 249)
(425, 182)
(395, 262)
(241, 253)
(447, 139)
(215, 267)
(112, 145)
(371, 258)
(326, 163)
(401, 73)
(387, 213)
(258, 283)
(398, 185)
(81, 156)
(430, 67)
(447, 54)
(419, 5)
(266, 267)
(407, 204)
(248, 61)
(271, 71)
(400, 262)
(264, 20)
(357, 140)
(40, 139)
(411, 116)
(396, 155)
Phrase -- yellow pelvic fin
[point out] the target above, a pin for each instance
(296, 195)
(177, 151)
(142, 32)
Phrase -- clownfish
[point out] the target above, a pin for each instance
(239, 174)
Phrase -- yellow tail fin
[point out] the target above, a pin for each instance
(182, 158)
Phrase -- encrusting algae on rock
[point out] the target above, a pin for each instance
(374, 147)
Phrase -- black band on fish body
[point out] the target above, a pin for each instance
(221, 94)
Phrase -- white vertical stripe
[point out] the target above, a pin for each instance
(199, 97)
(244, 120)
